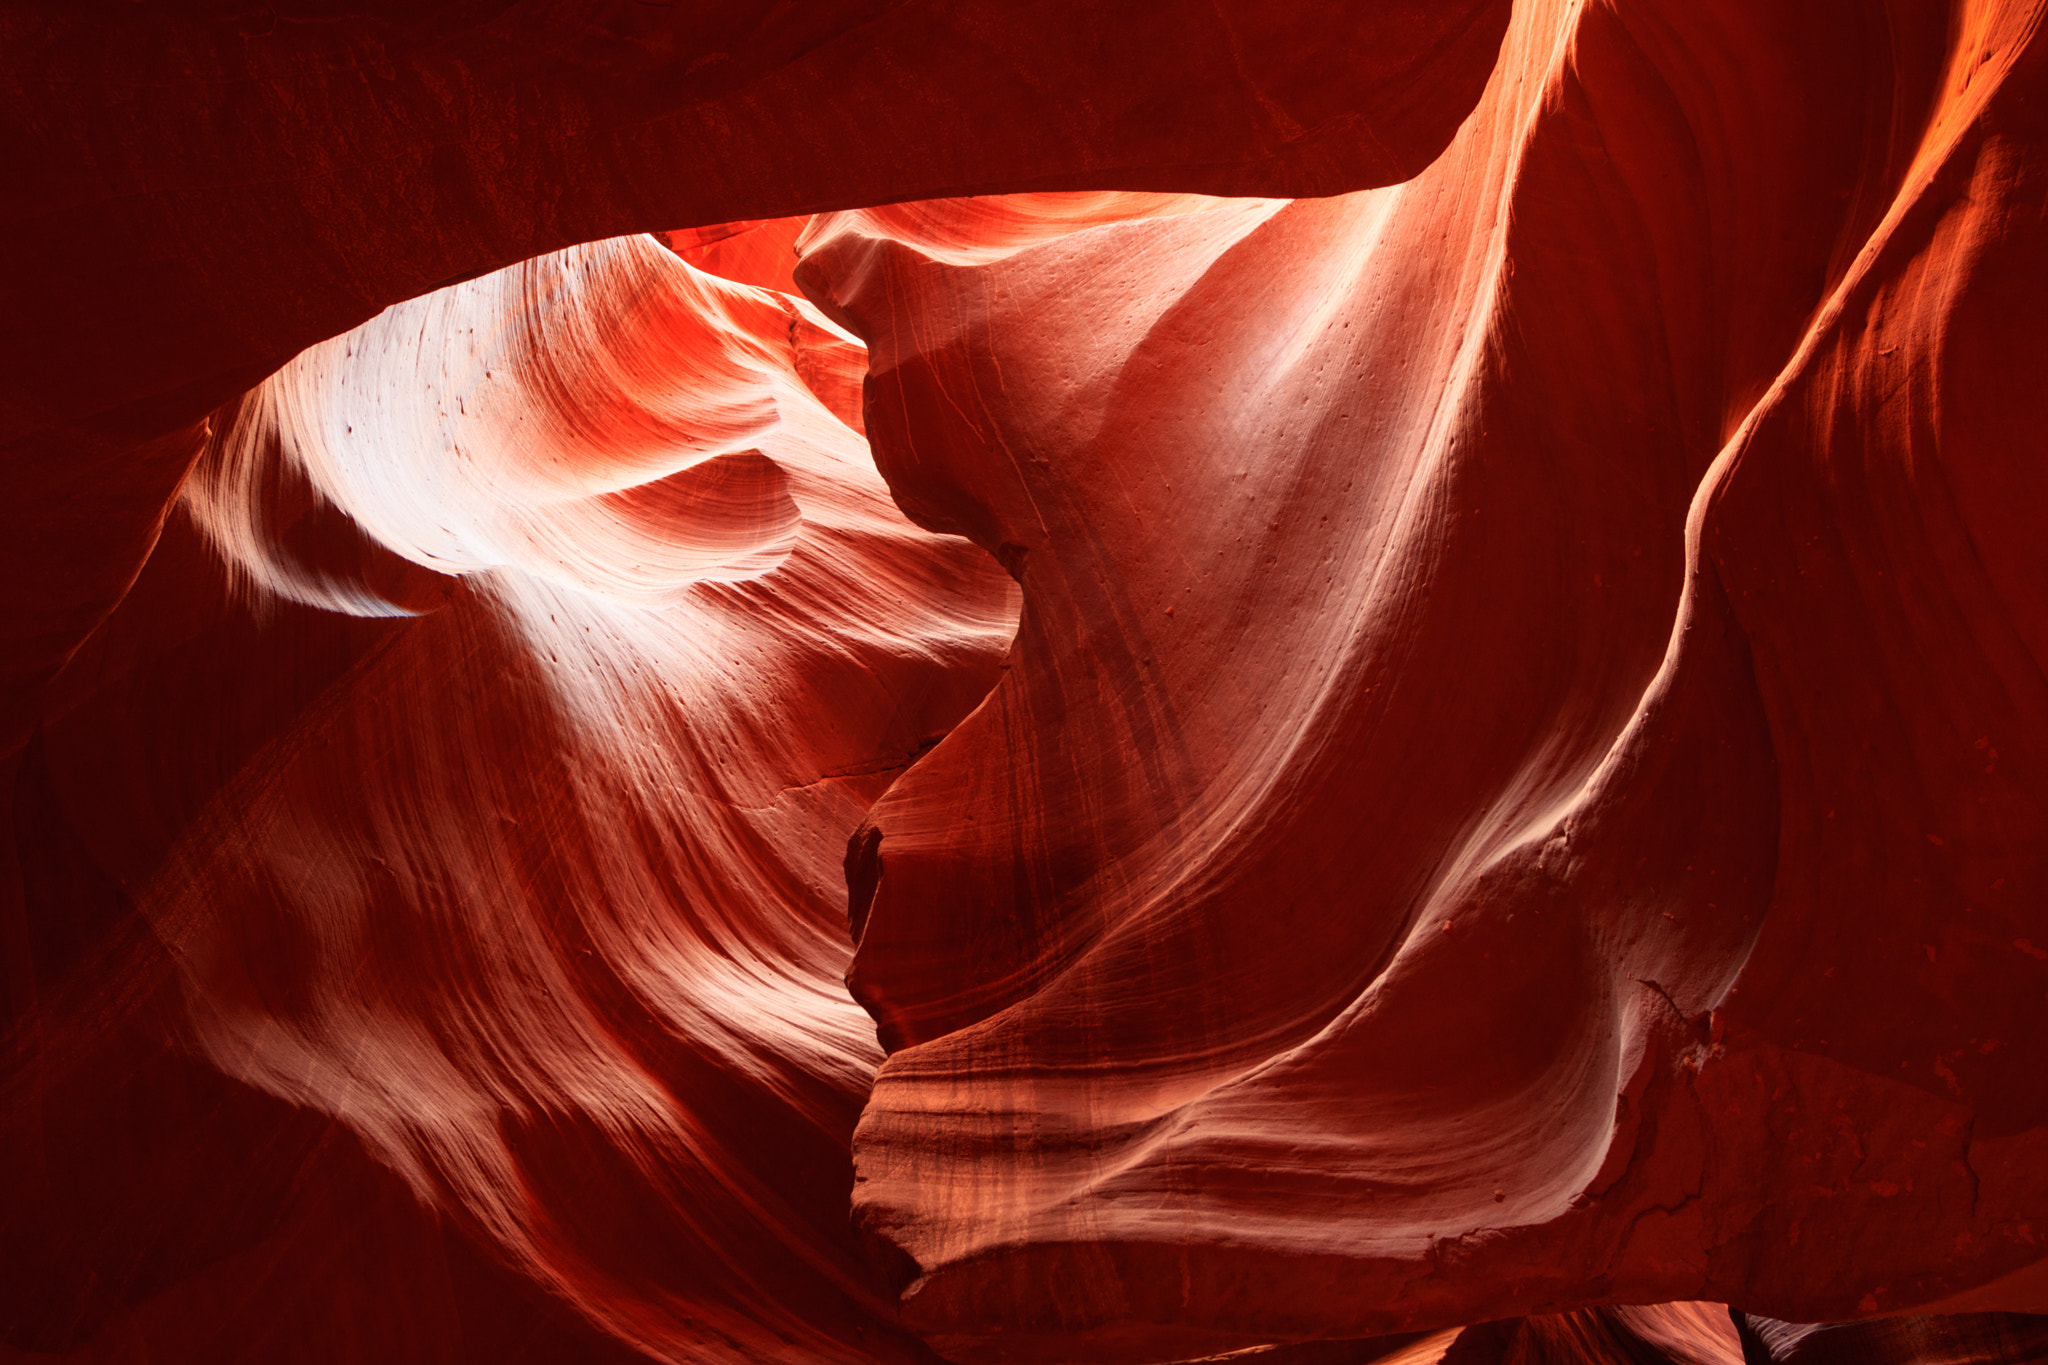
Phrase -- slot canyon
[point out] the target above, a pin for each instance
(1024, 682)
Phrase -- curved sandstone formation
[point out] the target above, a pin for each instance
(1480, 798)
(198, 192)
(491, 802)
(1511, 787)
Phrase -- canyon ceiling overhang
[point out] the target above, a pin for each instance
(1327, 671)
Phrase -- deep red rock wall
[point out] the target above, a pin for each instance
(1492, 646)
(1479, 799)
(197, 192)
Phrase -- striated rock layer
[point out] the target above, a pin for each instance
(1512, 815)
(1515, 785)
(489, 798)
(197, 192)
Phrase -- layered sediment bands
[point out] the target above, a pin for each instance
(480, 745)
(1513, 788)
(1955, 1339)
(198, 192)
(1658, 1334)
(1517, 787)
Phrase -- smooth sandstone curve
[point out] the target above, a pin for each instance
(1511, 788)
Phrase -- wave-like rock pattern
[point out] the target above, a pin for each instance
(198, 192)
(1950, 1339)
(602, 632)
(1514, 786)
(1516, 789)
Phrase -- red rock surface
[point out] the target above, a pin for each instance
(1961, 1338)
(1516, 791)
(537, 893)
(197, 192)
(760, 252)
(1680, 1333)
(1511, 789)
